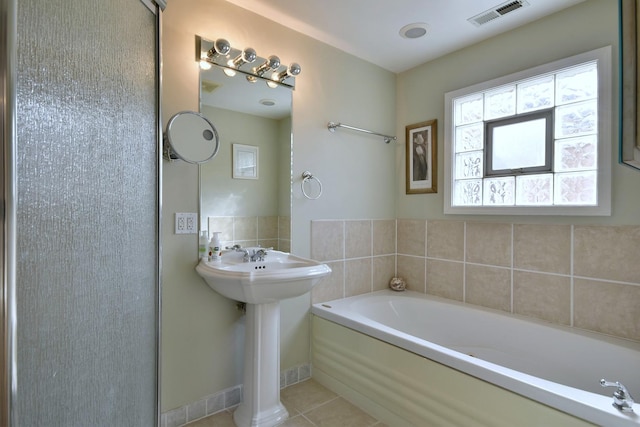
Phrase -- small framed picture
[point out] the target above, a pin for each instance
(422, 157)
(245, 161)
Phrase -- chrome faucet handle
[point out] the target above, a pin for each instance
(260, 254)
(622, 400)
(235, 247)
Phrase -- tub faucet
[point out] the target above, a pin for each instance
(622, 400)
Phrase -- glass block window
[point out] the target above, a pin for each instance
(536, 139)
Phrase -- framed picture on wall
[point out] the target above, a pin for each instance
(245, 161)
(422, 158)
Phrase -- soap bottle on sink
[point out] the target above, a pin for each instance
(215, 247)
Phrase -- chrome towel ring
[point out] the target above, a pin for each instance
(308, 177)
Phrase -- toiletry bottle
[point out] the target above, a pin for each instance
(202, 246)
(215, 249)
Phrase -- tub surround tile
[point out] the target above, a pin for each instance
(543, 296)
(542, 247)
(384, 269)
(384, 237)
(607, 307)
(606, 252)
(358, 239)
(332, 286)
(412, 270)
(488, 287)
(445, 279)
(412, 237)
(327, 240)
(432, 257)
(489, 243)
(445, 240)
(357, 275)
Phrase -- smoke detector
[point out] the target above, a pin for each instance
(497, 12)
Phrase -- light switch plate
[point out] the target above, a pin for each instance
(186, 223)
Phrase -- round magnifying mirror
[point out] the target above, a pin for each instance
(190, 137)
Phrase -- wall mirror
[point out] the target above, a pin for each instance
(247, 113)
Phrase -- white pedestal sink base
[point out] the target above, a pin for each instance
(261, 405)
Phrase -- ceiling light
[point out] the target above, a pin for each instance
(414, 31)
(268, 102)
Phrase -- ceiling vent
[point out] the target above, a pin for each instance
(497, 12)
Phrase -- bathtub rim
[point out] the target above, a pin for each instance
(582, 404)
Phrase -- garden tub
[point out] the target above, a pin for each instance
(412, 359)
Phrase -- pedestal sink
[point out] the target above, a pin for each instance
(261, 285)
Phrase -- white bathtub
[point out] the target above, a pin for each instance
(555, 366)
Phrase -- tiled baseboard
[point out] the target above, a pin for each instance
(225, 399)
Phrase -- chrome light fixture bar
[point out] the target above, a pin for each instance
(221, 54)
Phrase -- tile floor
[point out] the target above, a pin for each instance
(309, 404)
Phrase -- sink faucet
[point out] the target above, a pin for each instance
(622, 400)
(253, 254)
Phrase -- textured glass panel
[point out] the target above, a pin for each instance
(469, 165)
(470, 137)
(468, 192)
(535, 94)
(576, 119)
(468, 109)
(499, 191)
(87, 242)
(576, 154)
(577, 84)
(577, 188)
(534, 190)
(519, 145)
(499, 103)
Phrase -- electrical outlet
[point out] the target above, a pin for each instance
(186, 223)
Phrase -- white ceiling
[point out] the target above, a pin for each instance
(369, 29)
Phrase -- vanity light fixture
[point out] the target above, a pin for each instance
(230, 60)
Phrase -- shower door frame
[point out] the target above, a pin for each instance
(7, 208)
